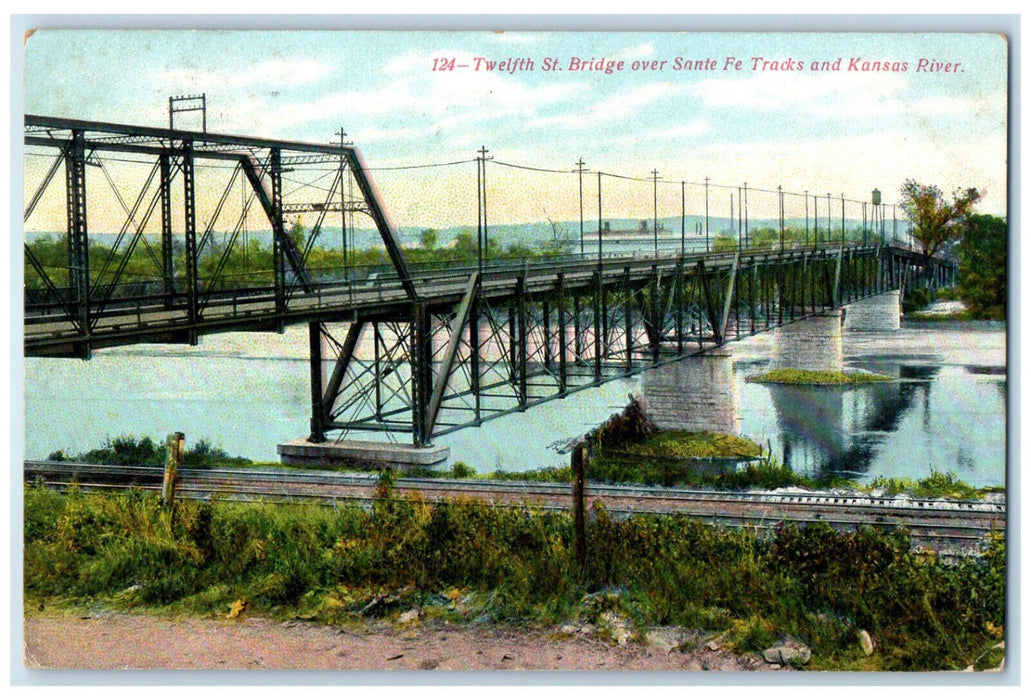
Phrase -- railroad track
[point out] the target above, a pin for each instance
(952, 527)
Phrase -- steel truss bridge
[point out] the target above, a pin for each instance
(420, 351)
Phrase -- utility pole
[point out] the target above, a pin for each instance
(194, 103)
(580, 169)
(655, 210)
(483, 166)
(744, 210)
(683, 218)
(599, 221)
(780, 200)
(842, 218)
(343, 199)
(706, 214)
(807, 218)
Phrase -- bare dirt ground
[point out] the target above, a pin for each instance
(64, 640)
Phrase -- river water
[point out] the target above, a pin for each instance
(247, 392)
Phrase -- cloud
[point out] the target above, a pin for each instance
(632, 52)
(415, 102)
(271, 73)
(784, 90)
(618, 107)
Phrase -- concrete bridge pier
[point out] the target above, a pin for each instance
(811, 344)
(697, 393)
(879, 313)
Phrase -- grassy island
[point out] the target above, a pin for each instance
(817, 377)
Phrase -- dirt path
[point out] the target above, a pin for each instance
(117, 641)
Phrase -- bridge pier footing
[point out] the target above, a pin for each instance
(877, 313)
(362, 455)
(696, 394)
(812, 344)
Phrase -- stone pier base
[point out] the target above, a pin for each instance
(362, 455)
(879, 313)
(811, 344)
(696, 394)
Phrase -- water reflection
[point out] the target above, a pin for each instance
(930, 417)
(834, 431)
(247, 392)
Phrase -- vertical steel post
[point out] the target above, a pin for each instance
(377, 372)
(474, 350)
(78, 234)
(737, 303)
(751, 299)
(278, 233)
(577, 341)
(678, 302)
(421, 360)
(192, 267)
(599, 291)
(522, 340)
(167, 258)
(562, 346)
(318, 417)
(656, 314)
(628, 319)
(699, 275)
(546, 326)
(513, 353)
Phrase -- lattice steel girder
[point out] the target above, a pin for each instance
(78, 236)
(429, 371)
(59, 133)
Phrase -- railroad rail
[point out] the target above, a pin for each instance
(949, 526)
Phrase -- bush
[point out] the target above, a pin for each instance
(518, 565)
(916, 298)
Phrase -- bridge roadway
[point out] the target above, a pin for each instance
(51, 330)
(953, 527)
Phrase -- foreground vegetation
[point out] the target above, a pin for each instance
(128, 450)
(467, 562)
(667, 458)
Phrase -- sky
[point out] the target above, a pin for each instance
(804, 111)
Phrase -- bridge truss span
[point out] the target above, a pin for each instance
(411, 351)
(505, 341)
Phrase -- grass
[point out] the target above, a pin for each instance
(937, 485)
(684, 444)
(669, 458)
(933, 317)
(816, 377)
(467, 562)
(128, 450)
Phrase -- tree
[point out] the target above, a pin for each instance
(428, 238)
(982, 266)
(937, 223)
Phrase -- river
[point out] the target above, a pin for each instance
(247, 392)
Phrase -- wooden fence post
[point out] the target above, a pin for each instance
(577, 464)
(172, 464)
